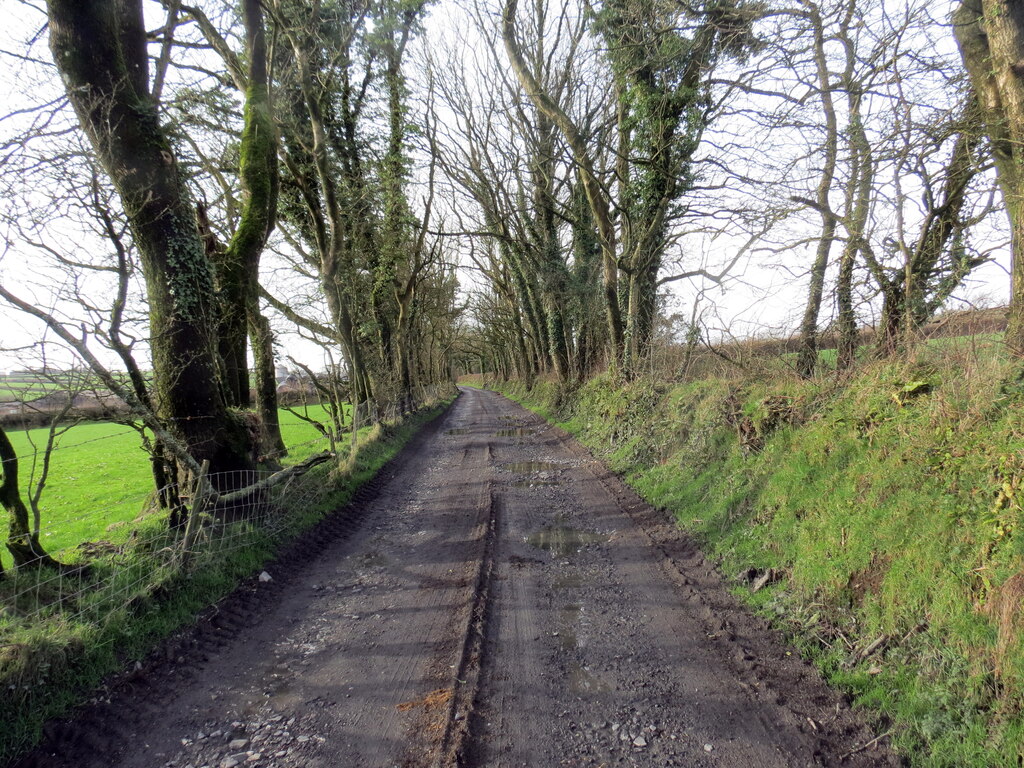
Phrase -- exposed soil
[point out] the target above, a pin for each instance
(497, 598)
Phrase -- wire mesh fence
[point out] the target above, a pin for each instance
(97, 582)
(106, 582)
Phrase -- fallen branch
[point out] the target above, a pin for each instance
(874, 645)
(273, 480)
(866, 745)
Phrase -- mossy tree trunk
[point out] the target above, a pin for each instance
(237, 270)
(596, 194)
(990, 34)
(856, 212)
(266, 382)
(358, 260)
(260, 186)
(395, 224)
(551, 266)
(937, 262)
(22, 541)
(545, 251)
(663, 107)
(807, 355)
(100, 50)
(585, 281)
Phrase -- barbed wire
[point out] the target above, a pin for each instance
(64, 446)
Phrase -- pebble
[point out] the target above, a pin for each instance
(238, 744)
(639, 741)
(708, 747)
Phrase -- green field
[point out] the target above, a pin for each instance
(24, 391)
(25, 387)
(100, 477)
(987, 341)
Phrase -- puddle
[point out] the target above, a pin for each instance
(515, 432)
(567, 632)
(279, 689)
(562, 540)
(533, 483)
(285, 699)
(581, 680)
(456, 432)
(529, 467)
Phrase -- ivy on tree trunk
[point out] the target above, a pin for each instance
(100, 50)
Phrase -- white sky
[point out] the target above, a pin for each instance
(761, 297)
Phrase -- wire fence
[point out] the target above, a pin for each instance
(98, 582)
(96, 595)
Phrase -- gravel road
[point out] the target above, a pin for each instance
(495, 598)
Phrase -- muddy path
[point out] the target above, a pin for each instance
(497, 598)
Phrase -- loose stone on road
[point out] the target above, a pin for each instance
(502, 600)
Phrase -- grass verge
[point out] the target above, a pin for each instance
(57, 649)
(886, 510)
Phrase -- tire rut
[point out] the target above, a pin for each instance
(495, 597)
(466, 682)
(806, 715)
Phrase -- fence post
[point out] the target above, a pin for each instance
(198, 505)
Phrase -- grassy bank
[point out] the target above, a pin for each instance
(59, 639)
(885, 511)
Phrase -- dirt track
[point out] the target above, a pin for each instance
(497, 599)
